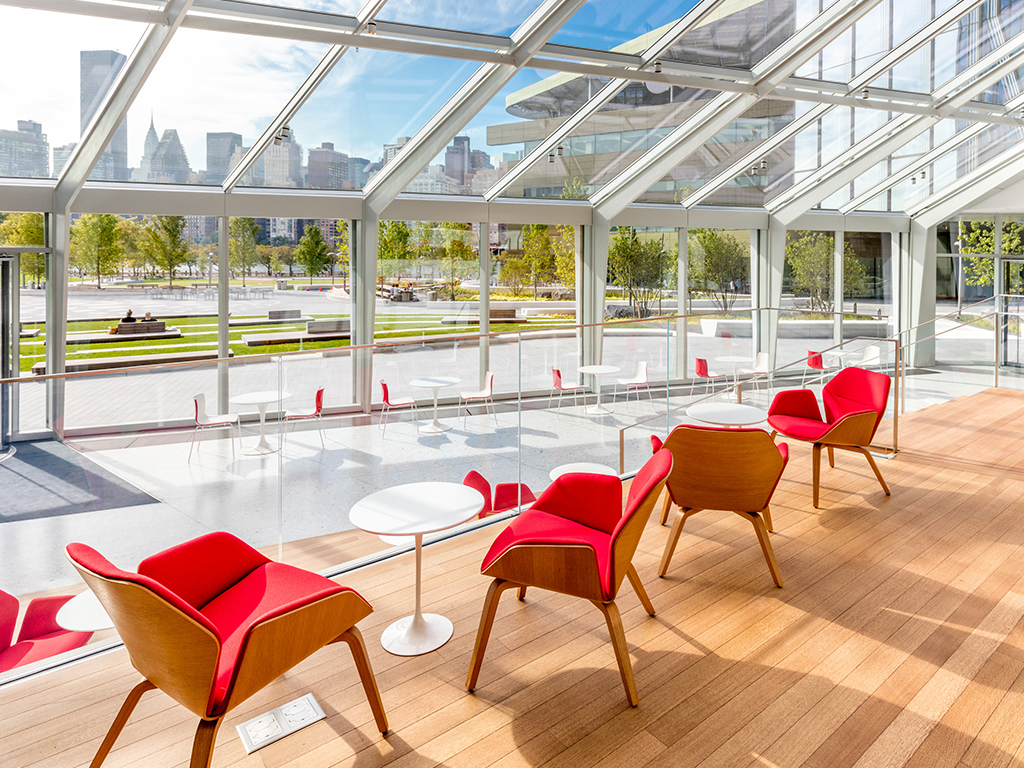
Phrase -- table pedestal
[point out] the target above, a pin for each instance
(262, 447)
(598, 408)
(421, 632)
(435, 426)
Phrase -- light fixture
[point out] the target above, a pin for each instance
(753, 170)
(560, 150)
(657, 67)
(923, 175)
(551, 157)
(764, 163)
(913, 180)
(277, 141)
(371, 27)
(285, 131)
(865, 94)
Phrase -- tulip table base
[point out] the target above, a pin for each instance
(417, 634)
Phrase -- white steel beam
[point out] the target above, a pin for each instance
(299, 98)
(481, 87)
(606, 94)
(153, 15)
(768, 74)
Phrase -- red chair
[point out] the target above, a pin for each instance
(736, 470)
(855, 401)
(299, 414)
(816, 364)
(557, 385)
(390, 403)
(212, 621)
(206, 421)
(576, 540)
(703, 373)
(506, 495)
(40, 636)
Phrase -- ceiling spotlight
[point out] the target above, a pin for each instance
(657, 67)
(923, 175)
(913, 180)
(764, 163)
(551, 157)
(753, 170)
(277, 141)
(865, 94)
(560, 150)
(371, 27)
(285, 131)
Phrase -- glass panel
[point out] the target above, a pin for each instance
(358, 119)
(210, 95)
(611, 25)
(501, 18)
(83, 55)
(808, 287)
(867, 284)
(606, 143)
(759, 123)
(1013, 238)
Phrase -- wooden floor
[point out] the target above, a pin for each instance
(898, 639)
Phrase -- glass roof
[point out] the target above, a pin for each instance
(495, 17)
(613, 25)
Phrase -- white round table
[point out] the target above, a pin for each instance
(582, 466)
(83, 613)
(435, 383)
(727, 414)
(597, 371)
(416, 509)
(261, 400)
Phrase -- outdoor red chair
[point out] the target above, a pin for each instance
(576, 540)
(212, 621)
(40, 636)
(702, 372)
(855, 401)
(558, 386)
(390, 403)
(506, 495)
(735, 470)
(299, 414)
(816, 364)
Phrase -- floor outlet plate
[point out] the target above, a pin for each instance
(280, 722)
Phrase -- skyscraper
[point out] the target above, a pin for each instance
(328, 169)
(282, 164)
(99, 69)
(456, 159)
(25, 152)
(219, 149)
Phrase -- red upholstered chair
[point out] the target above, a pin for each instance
(506, 495)
(855, 401)
(212, 621)
(576, 540)
(40, 636)
(735, 470)
(298, 414)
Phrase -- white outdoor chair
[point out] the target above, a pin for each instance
(635, 382)
(760, 369)
(871, 357)
(483, 395)
(207, 421)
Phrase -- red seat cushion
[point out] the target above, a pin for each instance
(799, 428)
(271, 589)
(42, 647)
(537, 527)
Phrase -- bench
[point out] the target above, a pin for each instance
(316, 330)
(284, 314)
(328, 326)
(129, 361)
(495, 315)
(141, 326)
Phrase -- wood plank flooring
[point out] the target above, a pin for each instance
(898, 639)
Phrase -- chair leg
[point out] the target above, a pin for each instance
(522, 593)
(831, 457)
(120, 721)
(614, 621)
(320, 424)
(354, 638)
(673, 539)
(192, 443)
(202, 745)
(766, 514)
(874, 467)
(638, 587)
(484, 631)
(494, 412)
(766, 545)
(816, 472)
(666, 507)
(382, 425)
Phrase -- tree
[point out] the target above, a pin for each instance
(537, 254)
(639, 267)
(285, 255)
(26, 229)
(574, 189)
(457, 254)
(563, 246)
(242, 246)
(265, 257)
(96, 244)
(718, 265)
(515, 274)
(133, 245)
(809, 260)
(167, 244)
(979, 237)
(312, 252)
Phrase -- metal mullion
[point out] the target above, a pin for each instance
(1000, 170)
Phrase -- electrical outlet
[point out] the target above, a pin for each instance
(280, 722)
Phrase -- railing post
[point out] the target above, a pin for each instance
(995, 370)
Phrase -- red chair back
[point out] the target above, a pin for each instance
(556, 378)
(475, 480)
(856, 389)
(814, 361)
(702, 368)
(726, 469)
(643, 494)
(8, 618)
(384, 389)
(319, 401)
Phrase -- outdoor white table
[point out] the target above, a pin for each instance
(435, 383)
(83, 613)
(261, 400)
(582, 466)
(597, 371)
(727, 414)
(416, 509)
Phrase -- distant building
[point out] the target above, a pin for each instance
(282, 228)
(25, 152)
(99, 69)
(254, 176)
(282, 164)
(61, 155)
(432, 180)
(390, 150)
(201, 228)
(357, 172)
(482, 180)
(456, 159)
(168, 162)
(327, 168)
(220, 147)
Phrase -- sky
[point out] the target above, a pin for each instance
(208, 81)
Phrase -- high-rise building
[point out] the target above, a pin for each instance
(219, 149)
(390, 150)
(25, 152)
(169, 163)
(99, 69)
(357, 172)
(282, 164)
(61, 155)
(254, 176)
(328, 169)
(148, 151)
(456, 159)
(433, 180)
